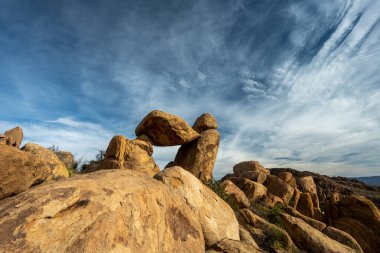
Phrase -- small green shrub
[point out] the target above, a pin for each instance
(274, 215)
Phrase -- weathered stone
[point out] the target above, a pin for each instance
(105, 211)
(253, 190)
(199, 156)
(245, 245)
(166, 129)
(305, 205)
(287, 177)
(295, 198)
(310, 239)
(14, 137)
(67, 158)
(217, 219)
(3, 139)
(58, 169)
(129, 154)
(343, 238)
(252, 170)
(307, 184)
(278, 187)
(312, 222)
(20, 170)
(236, 194)
(205, 122)
(271, 232)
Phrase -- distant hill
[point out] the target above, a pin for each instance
(375, 180)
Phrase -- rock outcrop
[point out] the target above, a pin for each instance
(252, 170)
(58, 169)
(305, 205)
(279, 188)
(343, 238)
(253, 190)
(205, 122)
(166, 129)
(129, 154)
(310, 239)
(105, 211)
(199, 156)
(236, 194)
(217, 219)
(13, 137)
(20, 170)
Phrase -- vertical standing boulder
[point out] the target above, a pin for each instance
(199, 156)
(129, 154)
(14, 137)
(307, 185)
(165, 129)
(305, 205)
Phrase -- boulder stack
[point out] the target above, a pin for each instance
(12, 137)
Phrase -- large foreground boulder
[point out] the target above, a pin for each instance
(216, 216)
(20, 170)
(199, 156)
(105, 211)
(166, 129)
(310, 239)
(58, 169)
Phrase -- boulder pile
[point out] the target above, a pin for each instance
(127, 204)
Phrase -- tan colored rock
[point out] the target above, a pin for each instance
(287, 177)
(252, 170)
(367, 239)
(307, 184)
(199, 156)
(245, 245)
(270, 231)
(278, 187)
(14, 137)
(3, 139)
(137, 158)
(205, 122)
(58, 169)
(310, 239)
(359, 217)
(129, 154)
(105, 211)
(217, 219)
(312, 222)
(67, 158)
(343, 238)
(166, 129)
(305, 205)
(253, 190)
(19, 171)
(295, 198)
(236, 194)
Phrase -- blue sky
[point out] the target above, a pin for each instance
(292, 83)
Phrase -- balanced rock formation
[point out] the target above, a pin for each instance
(199, 156)
(58, 169)
(165, 129)
(252, 170)
(67, 158)
(129, 154)
(310, 239)
(12, 137)
(205, 122)
(105, 211)
(20, 170)
(217, 219)
(236, 194)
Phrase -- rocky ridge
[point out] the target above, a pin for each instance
(125, 203)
